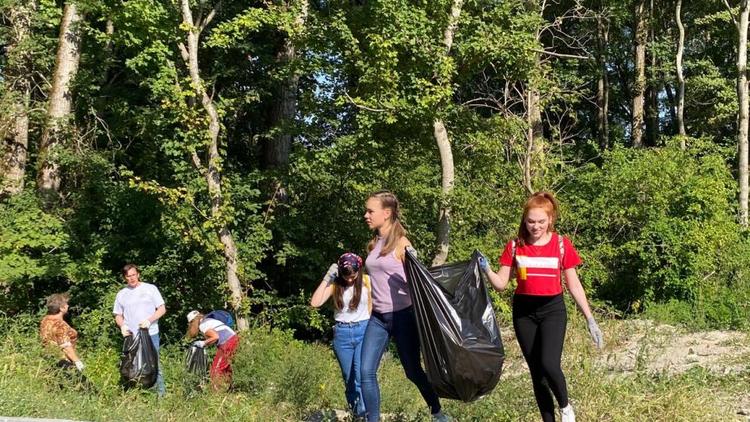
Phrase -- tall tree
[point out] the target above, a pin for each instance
(446, 153)
(640, 36)
(602, 86)
(212, 170)
(652, 85)
(17, 78)
(680, 75)
(60, 103)
(534, 158)
(741, 24)
(277, 147)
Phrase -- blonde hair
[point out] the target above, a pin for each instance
(388, 201)
(545, 201)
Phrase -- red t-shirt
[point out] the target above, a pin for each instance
(538, 267)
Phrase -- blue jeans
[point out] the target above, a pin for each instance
(402, 326)
(347, 344)
(160, 387)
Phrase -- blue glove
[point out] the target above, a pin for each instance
(484, 265)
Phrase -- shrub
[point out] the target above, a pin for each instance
(657, 227)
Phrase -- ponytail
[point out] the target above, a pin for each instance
(389, 201)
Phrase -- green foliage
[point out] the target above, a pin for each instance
(656, 226)
(34, 256)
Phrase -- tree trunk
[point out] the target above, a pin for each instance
(276, 149)
(652, 88)
(639, 85)
(17, 78)
(446, 164)
(602, 89)
(60, 102)
(446, 154)
(534, 162)
(680, 76)
(213, 172)
(744, 104)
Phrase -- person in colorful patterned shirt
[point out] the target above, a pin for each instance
(58, 337)
(540, 258)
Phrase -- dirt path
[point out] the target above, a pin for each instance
(664, 349)
(659, 348)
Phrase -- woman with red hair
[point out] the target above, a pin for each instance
(541, 258)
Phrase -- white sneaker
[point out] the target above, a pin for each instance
(441, 417)
(567, 414)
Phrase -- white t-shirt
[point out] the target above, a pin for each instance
(225, 333)
(362, 313)
(138, 303)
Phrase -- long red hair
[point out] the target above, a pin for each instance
(545, 201)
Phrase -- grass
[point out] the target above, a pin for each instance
(281, 379)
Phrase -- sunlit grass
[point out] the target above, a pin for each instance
(279, 378)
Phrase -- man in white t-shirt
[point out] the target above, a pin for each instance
(140, 305)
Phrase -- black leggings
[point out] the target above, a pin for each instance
(540, 323)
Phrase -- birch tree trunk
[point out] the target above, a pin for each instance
(639, 86)
(213, 169)
(741, 23)
(602, 90)
(17, 78)
(680, 76)
(652, 87)
(60, 102)
(442, 138)
(534, 162)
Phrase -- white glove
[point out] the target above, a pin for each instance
(199, 343)
(124, 330)
(596, 333)
(413, 251)
(79, 365)
(333, 272)
(144, 324)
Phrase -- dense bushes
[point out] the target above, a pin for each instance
(655, 227)
(657, 230)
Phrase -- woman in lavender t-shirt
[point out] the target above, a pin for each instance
(392, 311)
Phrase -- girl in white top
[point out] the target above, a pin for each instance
(352, 304)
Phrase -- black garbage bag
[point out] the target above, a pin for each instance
(139, 363)
(196, 360)
(459, 336)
